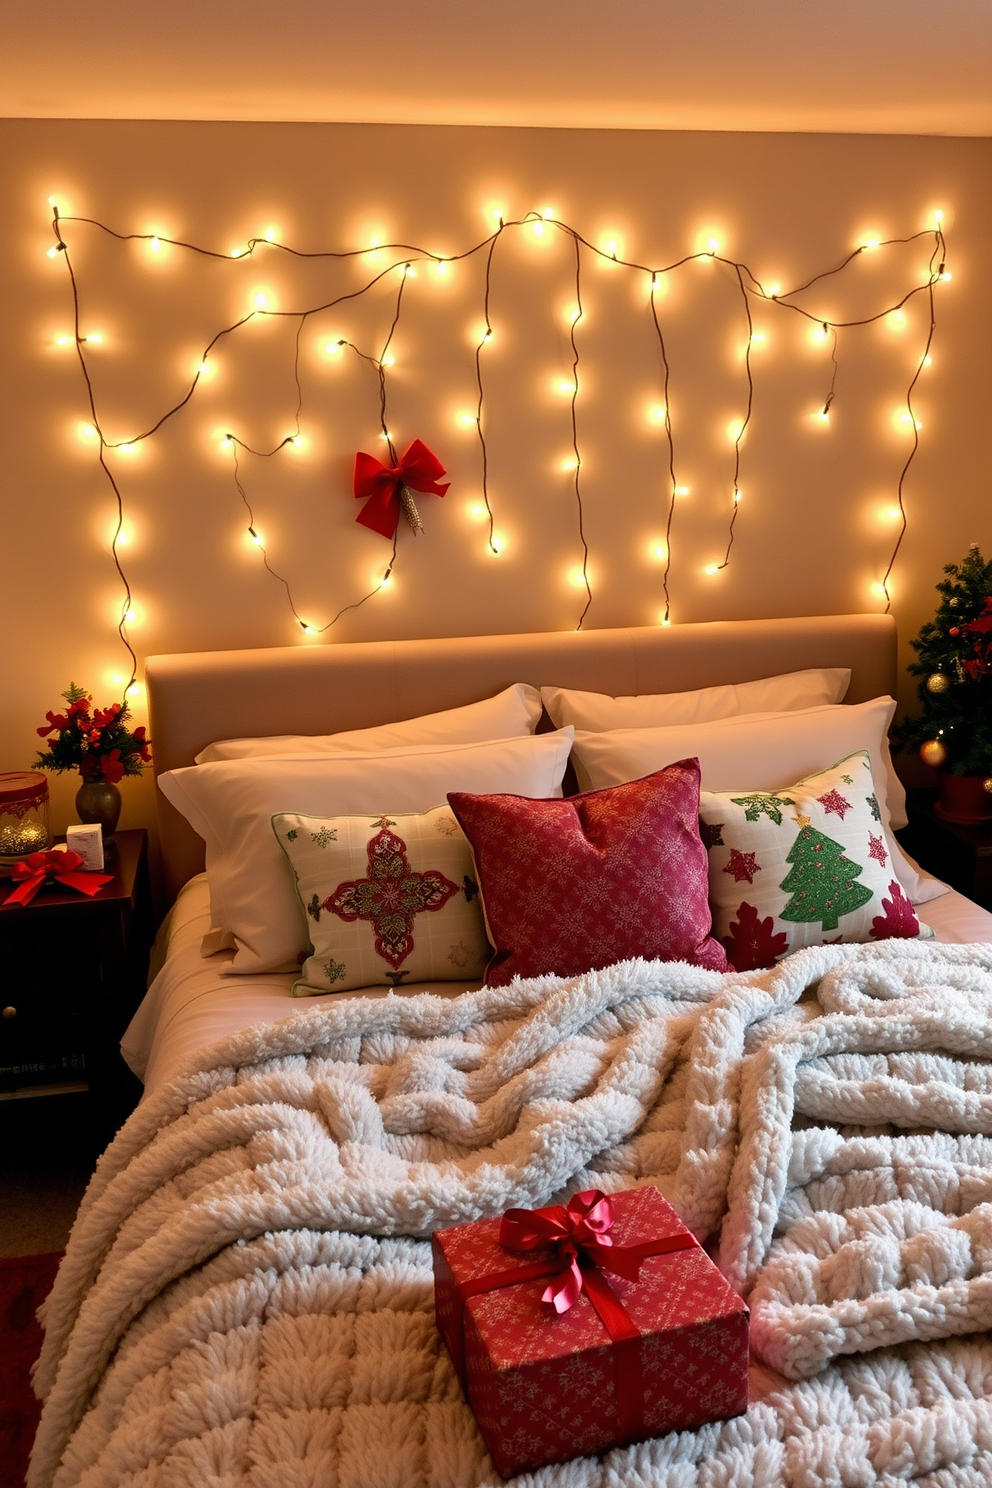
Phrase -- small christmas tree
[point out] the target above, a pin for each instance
(954, 729)
(821, 881)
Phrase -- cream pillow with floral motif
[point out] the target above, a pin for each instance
(389, 900)
(806, 865)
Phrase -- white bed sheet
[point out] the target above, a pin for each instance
(189, 1005)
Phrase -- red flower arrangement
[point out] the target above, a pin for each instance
(96, 741)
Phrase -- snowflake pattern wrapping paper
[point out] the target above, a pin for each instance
(544, 1387)
(388, 899)
(802, 866)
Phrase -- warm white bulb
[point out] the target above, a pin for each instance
(659, 552)
(772, 290)
(537, 227)
(441, 267)
(570, 463)
(896, 320)
(468, 419)
(477, 511)
(129, 447)
(333, 348)
(155, 245)
(65, 340)
(497, 545)
(657, 413)
(297, 442)
(938, 217)
(577, 578)
(682, 490)
(256, 537)
(238, 252)
(94, 338)
(130, 615)
(735, 430)
(309, 629)
(270, 234)
(52, 253)
(565, 385)
(758, 338)
(86, 431)
(409, 272)
(260, 301)
(871, 243)
(713, 245)
(548, 214)
(53, 202)
(711, 569)
(388, 361)
(928, 360)
(946, 275)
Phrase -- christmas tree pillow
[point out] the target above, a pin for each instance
(389, 900)
(805, 865)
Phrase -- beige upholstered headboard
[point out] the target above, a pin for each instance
(207, 695)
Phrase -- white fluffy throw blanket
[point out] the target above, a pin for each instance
(247, 1299)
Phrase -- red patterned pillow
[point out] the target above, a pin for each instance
(573, 885)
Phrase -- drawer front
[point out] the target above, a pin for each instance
(50, 986)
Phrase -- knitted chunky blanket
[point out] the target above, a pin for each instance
(247, 1297)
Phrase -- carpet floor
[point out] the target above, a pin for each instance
(25, 1281)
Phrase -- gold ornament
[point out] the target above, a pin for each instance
(987, 785)
(933, 752)
(938, 682)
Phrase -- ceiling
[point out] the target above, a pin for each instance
(876, 66)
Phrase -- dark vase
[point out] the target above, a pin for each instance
(99, 801)
(964, 799)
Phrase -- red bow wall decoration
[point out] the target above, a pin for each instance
(387, 490)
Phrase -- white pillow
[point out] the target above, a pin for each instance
(595, 711)
(761, 752)
(512, 713)
(230, 803)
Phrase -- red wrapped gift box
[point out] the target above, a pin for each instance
(622, 1360)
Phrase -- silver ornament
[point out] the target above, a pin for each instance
(409, 508)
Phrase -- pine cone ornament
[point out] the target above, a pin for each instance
(409, 509)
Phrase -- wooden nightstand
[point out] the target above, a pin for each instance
(72, 972)
(961, 856)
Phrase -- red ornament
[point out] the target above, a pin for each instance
(955, 630)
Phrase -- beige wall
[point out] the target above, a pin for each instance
(812, 533)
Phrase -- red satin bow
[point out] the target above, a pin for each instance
(37, 868)
(579, 1229)
(381, 484)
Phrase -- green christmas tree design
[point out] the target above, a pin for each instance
(821, 881)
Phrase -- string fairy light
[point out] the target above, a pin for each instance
(405, 259)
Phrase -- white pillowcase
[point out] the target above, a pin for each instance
(230, 803)
(512, 713)
(762, 752)
(595, 711)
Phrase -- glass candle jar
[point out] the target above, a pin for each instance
(25, 825)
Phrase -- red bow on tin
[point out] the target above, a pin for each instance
(580, 1229)
(60, 867)
(388, 488)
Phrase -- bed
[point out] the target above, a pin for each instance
(247, 1295)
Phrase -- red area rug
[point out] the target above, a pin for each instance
(25, 1282)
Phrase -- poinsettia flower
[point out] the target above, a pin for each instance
(104, 717)
(142, 743)
(56, 723)
(111, 766)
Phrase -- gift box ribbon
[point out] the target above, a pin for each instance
(418, 468)
(578, 1242)
(53, 866)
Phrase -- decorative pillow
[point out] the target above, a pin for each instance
(596, 712)
(231, 803)
(763, 751)
(510, 714)
(571, 886)
(805, 865)
(390, 899)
